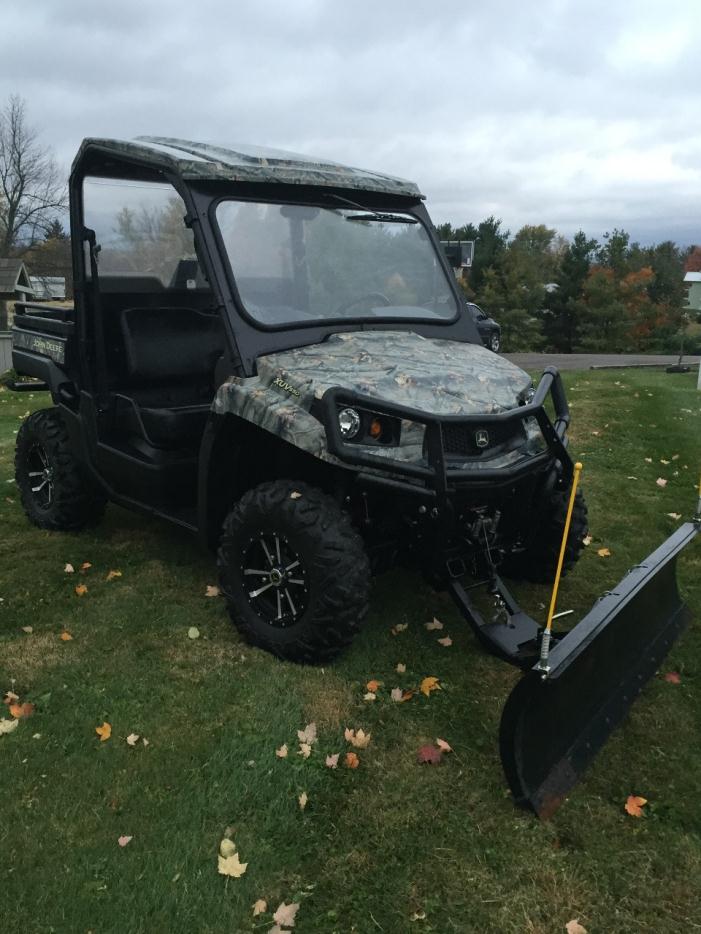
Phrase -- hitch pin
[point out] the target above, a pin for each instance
(543, 665)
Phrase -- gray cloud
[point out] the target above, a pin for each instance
(563, 113)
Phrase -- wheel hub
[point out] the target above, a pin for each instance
(41, 477)
(279, 593)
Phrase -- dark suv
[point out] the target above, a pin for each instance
(488, 329)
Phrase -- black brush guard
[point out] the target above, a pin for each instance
(555, 720)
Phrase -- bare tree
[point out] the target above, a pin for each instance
(31, 186)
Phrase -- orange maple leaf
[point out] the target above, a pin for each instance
(104, 731)
(81, 590)
(373, 686)
(351, 761)
(65, 636)
(634, 805)
(21, 711)
(428, 685)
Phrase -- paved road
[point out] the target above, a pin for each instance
(585, 361)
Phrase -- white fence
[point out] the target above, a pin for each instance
(5, 351)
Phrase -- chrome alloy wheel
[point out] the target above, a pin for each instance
(41, 475)
(278, 580)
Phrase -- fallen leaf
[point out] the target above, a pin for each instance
(332, 761)
(122, 841)
(308, 734)
(634, 805)
(407, 695)
(276, 929)
(227, 847)
(193, 632)
(631, 478)
(574, 927)
(369, 696)
(231, 866)
(211, 591)
(7, 726)
(429, 755)
(144, 741)
(104, 731)
(69, 569)
(351, 761)
(443, 746)
(66, 636)
(285, 914)
(28, 629)
(303, 800)
(604, 553)
(663, 461)
(400, 627)
(446, 641)
(85, 566)
(672, 677)
(661, 482)
(587, 540)
(396, 694)
(295, 495)
(428, 685)
(373, 686)
(359, 739)
(648, 460)
(418, 916)
(400, 669)
(304, 750)
(434, 624)
(81, 590)
(21, 711)
(10, 697)
(259, 907)
(112, 575)
(674, 515)
(281, 753)
(132, 739)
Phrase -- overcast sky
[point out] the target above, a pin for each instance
(567, 113)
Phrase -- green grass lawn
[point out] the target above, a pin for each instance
(375, 846)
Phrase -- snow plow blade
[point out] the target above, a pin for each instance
(554, 723)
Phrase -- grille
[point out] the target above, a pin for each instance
(461, 440)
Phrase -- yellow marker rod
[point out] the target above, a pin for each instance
(698, 505)
(545, 644)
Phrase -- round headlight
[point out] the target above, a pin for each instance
(349, 423)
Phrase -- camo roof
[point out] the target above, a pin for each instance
(244, 163)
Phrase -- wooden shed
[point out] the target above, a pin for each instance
(14, 287)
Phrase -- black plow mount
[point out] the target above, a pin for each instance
(556, 720)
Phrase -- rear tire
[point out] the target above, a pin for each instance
(538, 562)
(294, 571)
(55, 491)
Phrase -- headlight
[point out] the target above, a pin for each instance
(349, 423)
(527, 396)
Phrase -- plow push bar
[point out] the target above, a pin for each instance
(556, 720)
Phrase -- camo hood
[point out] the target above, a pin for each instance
(436, 376)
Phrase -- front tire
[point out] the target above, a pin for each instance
(294, 571)
(495, 343)
(537, 563)
(55, 491)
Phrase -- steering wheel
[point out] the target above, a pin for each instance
(361, 298)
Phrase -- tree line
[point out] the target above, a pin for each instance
(580, 295)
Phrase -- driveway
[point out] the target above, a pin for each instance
(587, 361)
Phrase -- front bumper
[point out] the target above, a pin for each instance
(436, 476)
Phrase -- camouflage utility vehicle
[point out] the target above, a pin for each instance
(271, 351)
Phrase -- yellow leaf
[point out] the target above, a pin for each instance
(443, 746)
(359, 739)
(69, 569)
(65, 636)
(634, 805)
(586, 540)
(211, 591)
(308, 734)
(661, 482)
(332, 761)
(428, 685)
(227, 848)
(574, 927)
(305, 750)
(400, 627)
(434, 624)
(260, 907)
(369, 696)
(85, 566)
(7, 726)
(81, 590)
(113, 574)
(132, 739)
(446, 641)
(373, 686)
(604, 553)
(281, 753)
(231, 866)
(295, 494)
(303, 800)
(104, 731)
(401, 668)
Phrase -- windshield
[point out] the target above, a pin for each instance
(298, 264)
